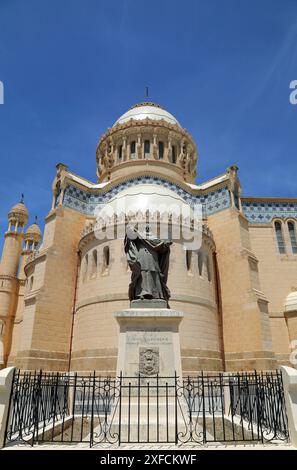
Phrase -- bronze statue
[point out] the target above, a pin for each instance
(148, 258)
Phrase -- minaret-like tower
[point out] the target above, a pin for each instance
(9, 285)
(32, 239)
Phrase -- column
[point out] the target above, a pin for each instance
(139, 147)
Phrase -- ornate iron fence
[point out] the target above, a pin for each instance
(63, 408)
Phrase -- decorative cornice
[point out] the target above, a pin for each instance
(124, 298)
(144, 173)
(144, 123)
(147, 103)
(212, 200)
(13, 234)
(262, 211)
(8, 278)
(270, 199)
(88, 234)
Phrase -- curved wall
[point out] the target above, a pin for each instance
(102, 290)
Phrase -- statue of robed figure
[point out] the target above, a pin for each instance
(148, 258)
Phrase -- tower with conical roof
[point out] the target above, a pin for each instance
(31, 240)
(9, 267)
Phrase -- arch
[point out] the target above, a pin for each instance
(133, 150)
(94, 263)
(279, 237)
(189, 254)
(161, 150)
(85, 267)
(200, 262)
(204, 265)
(120, 153)
(292, 234)
(173, 155)
(147, 148)
(106, 258)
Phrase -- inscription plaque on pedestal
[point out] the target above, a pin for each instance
(149, 342)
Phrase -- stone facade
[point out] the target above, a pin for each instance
(58, 297)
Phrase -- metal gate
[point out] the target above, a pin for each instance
(61, 408)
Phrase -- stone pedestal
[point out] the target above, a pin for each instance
(149, 342)
(148, 358)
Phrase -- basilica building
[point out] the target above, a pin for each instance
(59, 290)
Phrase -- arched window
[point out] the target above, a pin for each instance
(173, 154)
(147, 148)
(161, 150)
(200, 262)
(85, 267)
(132, 150)
(204, 265)
(106, 257)
(189, 259)
(31, 283)
(279, 237)
(120, 152)
(94, 263)
(292, 233)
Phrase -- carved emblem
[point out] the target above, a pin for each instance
(149, 361)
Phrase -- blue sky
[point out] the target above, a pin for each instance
(70, 68)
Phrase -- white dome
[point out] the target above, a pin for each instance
(143, 197)
(147, 110)
(291, 302)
